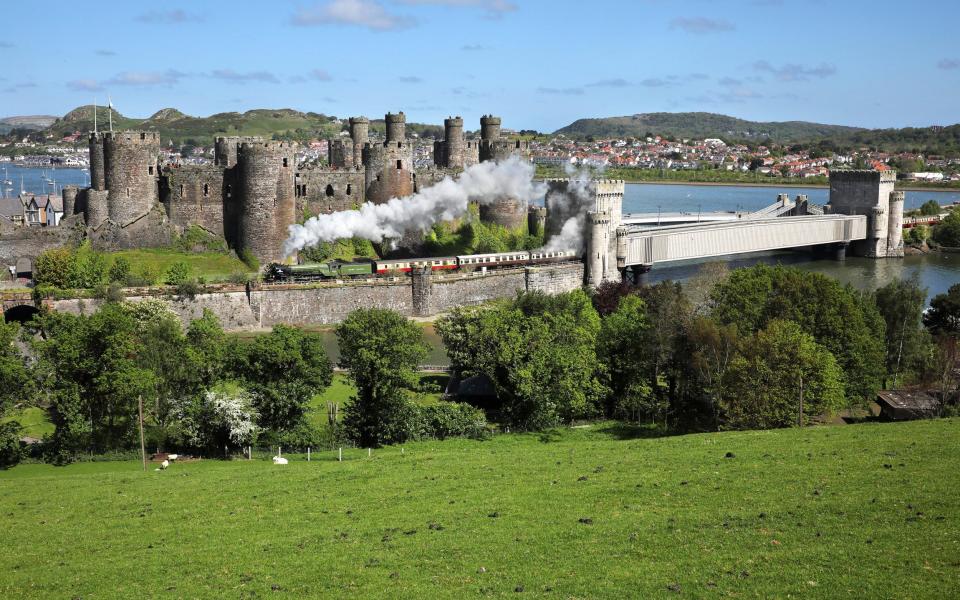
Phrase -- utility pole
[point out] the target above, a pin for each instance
(143, 447)
(800, 412)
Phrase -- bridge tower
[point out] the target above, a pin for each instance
(870, 193)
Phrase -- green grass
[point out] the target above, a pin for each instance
(854, 511)
(211, 265)
(33, 422)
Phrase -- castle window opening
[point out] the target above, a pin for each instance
(206, 190)
(128, 192)
(329, 190)
(143, 136)
(399, 164)
(150, 170)
(348, 189)
(284, 163)
(181, 190)
(399, 144)
(304, 189)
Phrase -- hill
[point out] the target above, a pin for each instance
(179, 128)
(850, 511)
(29, 122)
(699, 125)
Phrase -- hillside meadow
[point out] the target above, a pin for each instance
(865, 510)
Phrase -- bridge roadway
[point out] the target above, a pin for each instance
(639, 246)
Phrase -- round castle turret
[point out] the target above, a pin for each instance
(396, 127)
(98, 173)
(267, 201)
(359, 135)
(225, 149)
(598, 247)
(132, 174)
(895, 225)
(489, 127)
(69, 200)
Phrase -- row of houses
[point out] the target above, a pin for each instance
(32, 210)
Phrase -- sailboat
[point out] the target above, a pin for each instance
(6, 178)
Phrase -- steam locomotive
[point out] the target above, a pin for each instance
(362, 269)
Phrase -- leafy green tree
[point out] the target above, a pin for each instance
(16, 388)
(381, 349)
(284, 370)
(930, 208)
(947, 232)
(625, 355)
(539, 351)
(781, 378)
(943, 318)
(220, 418)
(839, 318)
(669, 311)
(901, 303)
(54, 267)
(713, 348)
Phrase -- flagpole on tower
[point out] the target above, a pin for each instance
(94, 115)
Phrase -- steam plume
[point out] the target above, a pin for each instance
(574, 205)
(483, 183)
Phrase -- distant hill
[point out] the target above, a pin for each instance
(31, 122)
(179, 128)
(703, 125)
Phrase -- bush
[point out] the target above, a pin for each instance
(198, 239)
(145, 276)
(119, 270)
(10, 451)
(178, 273)
(451, 419)
(188, 290)
(249, 259)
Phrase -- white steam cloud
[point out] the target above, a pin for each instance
(574, 204)
(482, 183)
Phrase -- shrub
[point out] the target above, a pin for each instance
(10, 452)
(188, 290)
(178, 273)
(451, 419)
(119, 270)
(145, 276)
(54, 268)
(249, 259)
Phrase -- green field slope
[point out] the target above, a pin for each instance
(854, 511)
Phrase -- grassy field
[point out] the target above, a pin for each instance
(213, 266)
(855, 511)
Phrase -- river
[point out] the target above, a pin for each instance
(35, 180)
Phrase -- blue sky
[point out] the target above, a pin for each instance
(538, 63)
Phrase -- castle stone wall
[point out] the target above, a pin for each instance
(225, 149)
(323, 191)
(196, 195)
(866, 192)
(98, 173)
(69, 200)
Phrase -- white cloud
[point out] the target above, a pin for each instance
(701, 25)
(795, 72)
(361, 13)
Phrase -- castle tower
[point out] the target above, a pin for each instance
(895, 225)
(225, 149)
(450, 153)
(69, 200)
(359, 135)
(389, 166)
(870, 193)
(132, 174)
(537, 220)
(98, 173)
(598, 247)
(507, 212)
(396, 127)
(267, 204)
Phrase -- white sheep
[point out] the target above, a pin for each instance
(173, 456)
(279, 460)
(164, 464)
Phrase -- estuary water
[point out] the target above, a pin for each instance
(36, 180)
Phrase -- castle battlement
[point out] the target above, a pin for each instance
(132, 137)
(863, 175)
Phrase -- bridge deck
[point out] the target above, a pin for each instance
(705, 240)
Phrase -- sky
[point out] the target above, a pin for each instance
(539, 64)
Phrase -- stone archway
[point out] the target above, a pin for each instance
(21, 313)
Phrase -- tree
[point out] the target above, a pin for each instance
(625, 355)
(947, 232)
(16, 386)
(538, 351)
(178, 273)
(219, 419)
(930, 208)
(381, 349)
(284, 370)
(781, 378)
(943, 318)
(901, 303)
(714, 347)
(840, 318)
(119, 270)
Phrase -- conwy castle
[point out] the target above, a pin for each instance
(254, 190)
